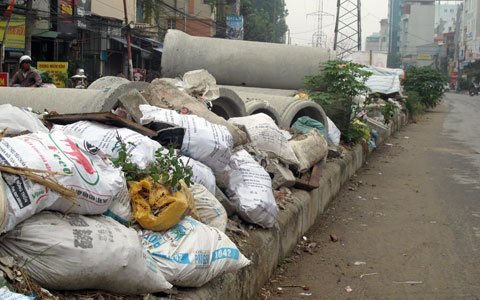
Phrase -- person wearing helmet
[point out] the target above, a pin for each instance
(27, 76)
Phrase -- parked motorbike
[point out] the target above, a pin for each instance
(474, 90)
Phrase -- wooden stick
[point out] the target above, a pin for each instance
(25, 172)
(36, 170)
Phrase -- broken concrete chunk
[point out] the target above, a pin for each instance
(130, 101)
(282, 176)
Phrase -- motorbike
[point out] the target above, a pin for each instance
(474, 90)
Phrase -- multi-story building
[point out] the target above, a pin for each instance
(378, 41)
(445, 18)
(417, 32)
(394, 18)
(469, 35)
(372, 42)
(383, 35)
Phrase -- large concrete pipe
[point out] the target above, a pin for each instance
(69, 100)
(282, 109)
(241, 63)
(229, 104)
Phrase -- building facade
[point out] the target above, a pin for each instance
(394, 18)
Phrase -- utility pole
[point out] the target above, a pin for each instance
(348, 29)
(129, 42)
(29, 24)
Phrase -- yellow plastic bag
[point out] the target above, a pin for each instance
(155, 208)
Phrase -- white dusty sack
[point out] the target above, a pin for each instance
(250, 189)
(95, 180)
(206, 142)
(201, 173)
(162, 92)
(121, 208)
(140, 148)
(310, 149)
(209, 209)
(334, 133)
(76, 252)
(191, 253)
(15, 120)
(266, 136)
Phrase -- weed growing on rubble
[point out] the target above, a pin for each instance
(167, 168)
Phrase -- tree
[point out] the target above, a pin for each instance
(264, 20)
(427, 83)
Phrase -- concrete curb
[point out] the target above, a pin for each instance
(266, 248)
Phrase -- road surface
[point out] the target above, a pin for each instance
(409, 221)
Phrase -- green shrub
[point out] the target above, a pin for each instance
(334, 87)
(413, 105)
(427, 83)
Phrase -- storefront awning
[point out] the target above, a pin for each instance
(45, 33)
(124, 42)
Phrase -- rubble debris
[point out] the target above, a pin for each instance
(201, 85)
(164, 94)
(282, 176)
(412, 282)
(213, 251)
(130, 101)
(367, 274)
(333, 238)
(310, 181)
(348, 289)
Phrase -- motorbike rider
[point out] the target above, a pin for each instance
(26, 76)
(473, 89)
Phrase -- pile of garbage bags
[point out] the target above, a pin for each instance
(75, 220)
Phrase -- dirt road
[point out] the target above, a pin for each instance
(408, 224)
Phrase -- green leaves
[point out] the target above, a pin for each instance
(334, 88)
(264, 20)
(167, 168)
(427, 83)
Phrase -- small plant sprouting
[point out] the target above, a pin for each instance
(167, 168)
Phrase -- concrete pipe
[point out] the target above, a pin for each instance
(256, 103)
(241, 63)
(229, 104)
(70, 100)
(301, 108)
(285, 110)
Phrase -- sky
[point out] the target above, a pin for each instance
(302, 25)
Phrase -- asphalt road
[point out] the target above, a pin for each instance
(408, 224)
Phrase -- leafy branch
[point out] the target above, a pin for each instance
(167, 168)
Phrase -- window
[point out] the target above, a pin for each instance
(172, 24)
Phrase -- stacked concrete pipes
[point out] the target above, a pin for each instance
(264, 76)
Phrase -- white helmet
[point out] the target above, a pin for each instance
(24, 58)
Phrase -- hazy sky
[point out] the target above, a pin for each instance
(302, 27)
